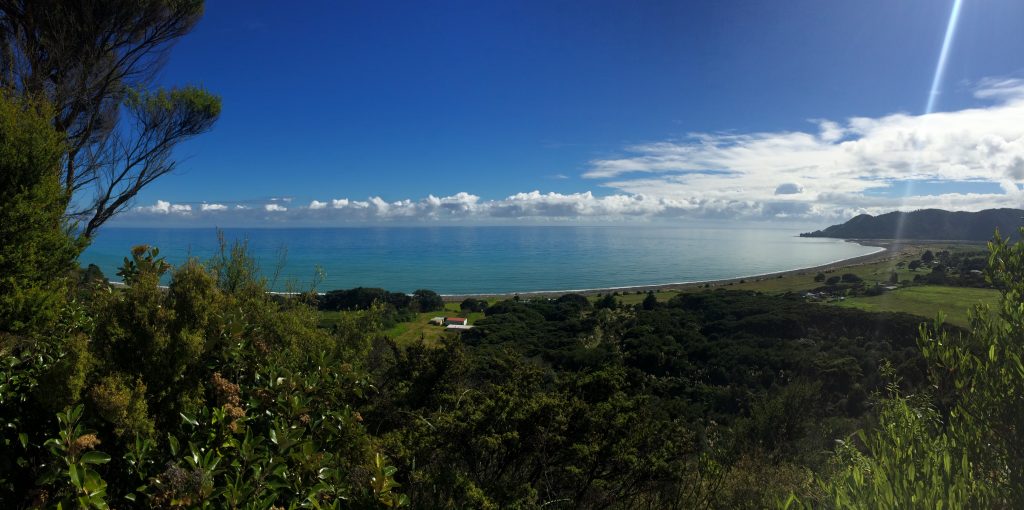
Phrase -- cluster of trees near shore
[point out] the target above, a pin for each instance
(212, 393)
(960, 269)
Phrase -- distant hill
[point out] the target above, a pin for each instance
(934, 224)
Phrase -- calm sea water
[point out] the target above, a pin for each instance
(469, 260)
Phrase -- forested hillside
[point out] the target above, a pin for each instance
(931, 224)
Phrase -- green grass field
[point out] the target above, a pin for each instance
(926, 301)
(406, 332)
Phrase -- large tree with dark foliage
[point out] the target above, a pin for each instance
(427, 300)
(94, 61)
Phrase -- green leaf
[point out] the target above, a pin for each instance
(76, 475)
(23, 437)
(190, 421)
(95, 457)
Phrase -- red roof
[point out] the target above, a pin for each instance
(454, 319)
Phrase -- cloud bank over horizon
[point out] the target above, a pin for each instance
(834, 172)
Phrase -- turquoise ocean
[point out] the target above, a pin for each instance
(501, 259)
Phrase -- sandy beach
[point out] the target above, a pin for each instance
(888, 250)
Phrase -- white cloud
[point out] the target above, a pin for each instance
(460, 206)
(834, 170)
(789, 188)
(830, 131)
(165, 207)
(161, 206)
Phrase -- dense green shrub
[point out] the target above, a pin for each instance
(206, 393)
(37, 250)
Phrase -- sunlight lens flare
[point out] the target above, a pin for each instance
(940, 69)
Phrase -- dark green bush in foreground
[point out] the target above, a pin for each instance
(193, 396)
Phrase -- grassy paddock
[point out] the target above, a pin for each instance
(406, 332)
(927, 301)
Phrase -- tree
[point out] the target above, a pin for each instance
(607, 301)
(851, 278)
(473, 305)
(37, 252)
(927, 257)
(914, 264)
(650, 302)
(832, 280)
(894, 277)
(94, 61)
(820, 277)
(427, 300)
(574, 300)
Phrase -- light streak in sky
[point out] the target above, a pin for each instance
(940, 67)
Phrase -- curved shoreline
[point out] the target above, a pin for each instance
(886, 249)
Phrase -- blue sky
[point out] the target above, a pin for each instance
(544, 110)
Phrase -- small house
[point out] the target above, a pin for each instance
(458, 327)
(456, 321)
(438, 321)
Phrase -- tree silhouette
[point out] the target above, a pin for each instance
(94, 61)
